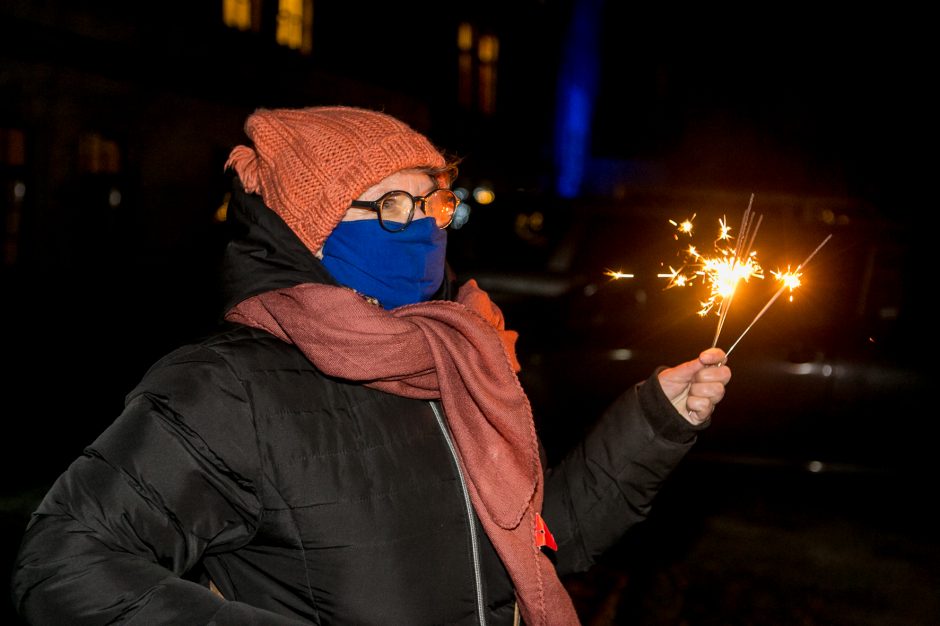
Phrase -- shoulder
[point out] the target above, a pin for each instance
(224, 359)
(202, 382)
(236, 371)
(196, 396)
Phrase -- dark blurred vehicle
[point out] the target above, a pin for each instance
(834, 379)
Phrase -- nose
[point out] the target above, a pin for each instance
(420, 203)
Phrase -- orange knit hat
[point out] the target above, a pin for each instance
(309, 164)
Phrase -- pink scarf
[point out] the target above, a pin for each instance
(461, 353)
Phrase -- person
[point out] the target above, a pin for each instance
(353, 445)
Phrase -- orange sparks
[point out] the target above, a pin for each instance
(790, 280)
(724, 231)
(721, 273)
(684, 227)
(615, 275)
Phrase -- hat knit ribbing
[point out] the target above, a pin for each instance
(309, 164)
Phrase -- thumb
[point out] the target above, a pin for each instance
(683, 373)
(680, 375)
(713, 356)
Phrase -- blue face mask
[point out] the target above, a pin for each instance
(395, 268)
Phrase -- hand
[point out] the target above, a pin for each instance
(695, 387)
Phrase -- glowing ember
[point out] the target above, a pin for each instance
(720, 272)
(790, 280)
(724, 231)
(722, 275)
(614, 274)
(685, 227)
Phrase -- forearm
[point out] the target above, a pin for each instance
(607, 483)
(66, 574)
(150, 497)
(98, 552)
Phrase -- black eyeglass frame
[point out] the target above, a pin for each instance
(376, 205)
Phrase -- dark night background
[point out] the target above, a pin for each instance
(806, 502)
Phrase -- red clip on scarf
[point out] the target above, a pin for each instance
(461, 353)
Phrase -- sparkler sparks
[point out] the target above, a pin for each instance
(790, 280)
(722, 275)
(614, 274)
(685, 227)
(724, 271)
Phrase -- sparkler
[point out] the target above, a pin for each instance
(790, 280)
(742, 259)
(724, 272)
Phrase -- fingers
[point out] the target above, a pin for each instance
(712, 356)
(708, 367)
(713, 374)
(681, 375)
(706, 391)
(703, 396)
(696, 386)
(715, 370)
(698, 408)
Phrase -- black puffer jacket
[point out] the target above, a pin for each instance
(303, 498)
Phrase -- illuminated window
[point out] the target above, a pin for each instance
(12, 147)
(97, 155)
(295, 24)
(465, 65)
(488, 53)
(476, 58)
(238, 14)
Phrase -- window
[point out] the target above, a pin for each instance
(465, 65)
(295, 24)
(476, 76)
(98, 155)
(488, 53)
(240, 14)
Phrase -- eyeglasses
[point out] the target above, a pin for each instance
(397, 208)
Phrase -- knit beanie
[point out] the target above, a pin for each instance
(309, 164)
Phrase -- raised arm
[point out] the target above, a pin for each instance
(607, 483)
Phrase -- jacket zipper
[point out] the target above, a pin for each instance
(474, 543)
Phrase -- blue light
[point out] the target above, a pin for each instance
(577, 89)
(571, 144)
(461, 215)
